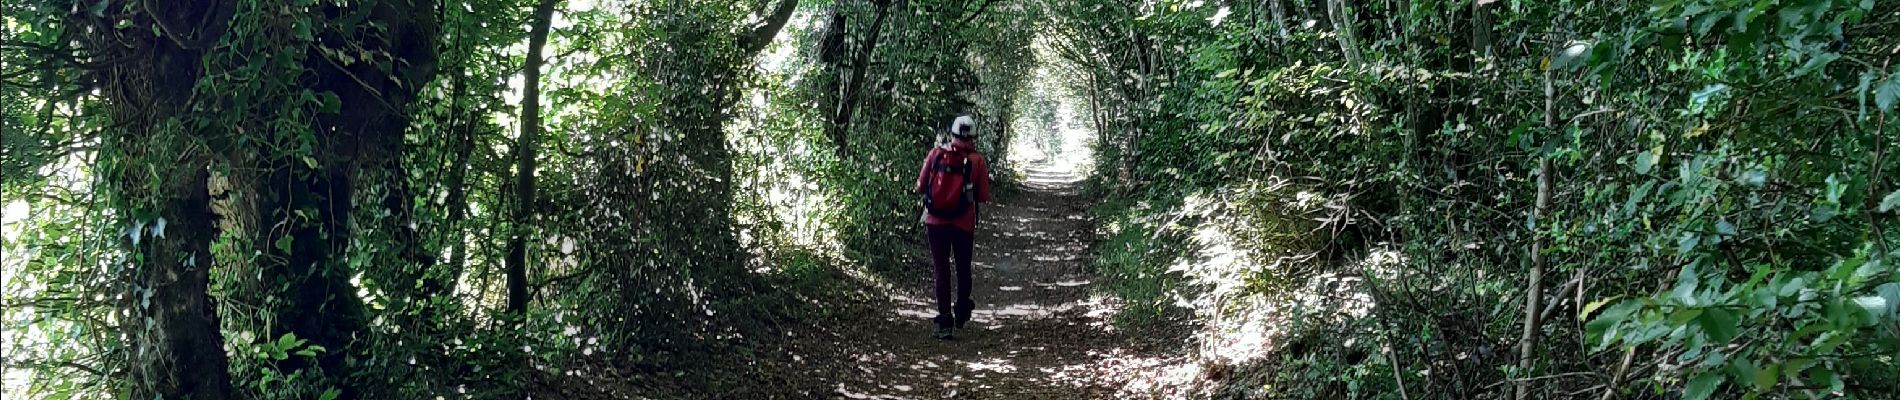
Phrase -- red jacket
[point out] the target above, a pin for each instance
(979, 172)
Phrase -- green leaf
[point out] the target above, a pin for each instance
(1743, 368)
(1594, 305)
(302, 30)
(1891, 292)
(330, 394)
(1686, 243)
(1888, 93)
(1719, 323)
(1570, 57)
(288, 341)
(330, 103)
(1824, 377)
(1875, 307)
(1699, 100)
(1765, 378)
(1706, 22)
(1685, 314)
(1603, 327)
(1702, 386)
(1686, 284)
(1888, 203)
(1816, 62)
(1647, 160)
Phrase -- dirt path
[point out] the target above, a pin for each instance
(1041, 331)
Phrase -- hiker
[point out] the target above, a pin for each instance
(954, 179)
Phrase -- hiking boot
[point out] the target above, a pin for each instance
(943, 333)
(963, 311)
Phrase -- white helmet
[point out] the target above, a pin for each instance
(962, 123)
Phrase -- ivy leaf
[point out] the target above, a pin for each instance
(1702, 386)
(330, 103)
(302, 30)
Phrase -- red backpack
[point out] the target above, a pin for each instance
(950, 191)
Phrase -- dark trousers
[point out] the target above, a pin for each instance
(944, 240)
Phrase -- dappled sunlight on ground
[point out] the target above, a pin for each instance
(1042, 329)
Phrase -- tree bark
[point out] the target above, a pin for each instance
(526, 152)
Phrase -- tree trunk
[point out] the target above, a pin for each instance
(159, 178)
(302, 213)
(1095, 110)
(179, 351)
(463, 124)
(526, 149)
(1534, 285)
(457, 201)
(1279, 18)
(854, 87)
(1345, 30)
(1481, 27)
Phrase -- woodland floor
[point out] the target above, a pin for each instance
(1042, 329)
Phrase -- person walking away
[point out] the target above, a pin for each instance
(955, 179)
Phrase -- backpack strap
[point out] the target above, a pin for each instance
(966, 169)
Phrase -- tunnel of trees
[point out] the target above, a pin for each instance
(1392, 199)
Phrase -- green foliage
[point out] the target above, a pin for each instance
(332, 174)
(1134, 255)
(1704, 154)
